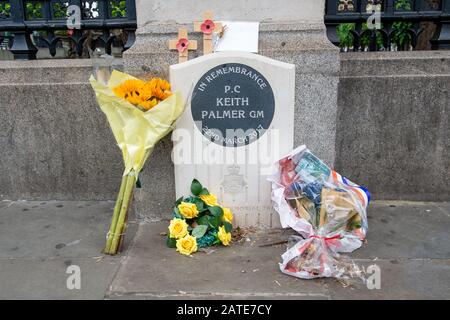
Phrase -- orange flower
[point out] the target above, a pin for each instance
(144, 94)
(129, 88)
(160, 88)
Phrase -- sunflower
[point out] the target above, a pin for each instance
(160, 88)
(129, 89)
(144, 94)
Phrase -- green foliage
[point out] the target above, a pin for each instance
(400, 30)
(199, 231)
(60, 10)
(5, 9)
(366, 37)
(208, 240)
(176, 213)
(200, 205)
(346, 38)
(203, 220)
(214, 221)
(118, 8)
(216, 211)
(400, 35)
(33, 10)
(171, 242)
(228, 226)
(196, 187)
(405, 5)
(206, 225)
(179, 200)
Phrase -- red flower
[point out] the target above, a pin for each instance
(207, 26)
(182, 45)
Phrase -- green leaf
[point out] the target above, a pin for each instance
(199, 231)
(176, 213)
(204, 191)
(217, 241)
(179, 200)
(216, 211)
(171, 242)
(214, 221)
(203, 221)
(199, 204)
(228, 226)
(191, 199)
(196, 187)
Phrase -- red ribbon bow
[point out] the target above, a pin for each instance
(336, 237)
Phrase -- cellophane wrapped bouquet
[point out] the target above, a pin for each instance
(325, 208)
(140, 113)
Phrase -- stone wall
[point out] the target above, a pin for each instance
(182, 11)
(392, 128)
(55, 142)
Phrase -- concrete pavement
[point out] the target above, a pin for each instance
(409, 241)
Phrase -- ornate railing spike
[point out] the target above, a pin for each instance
(26, 25)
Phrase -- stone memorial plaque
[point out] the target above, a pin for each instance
(233, 96)
(239, 119)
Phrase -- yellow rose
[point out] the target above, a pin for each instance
(187, 245)
(178, 228)
(224, 236)
(209, 199)
(227, 215)
(188, 210)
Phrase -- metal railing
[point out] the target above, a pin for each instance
(350, 23)
(25, 24)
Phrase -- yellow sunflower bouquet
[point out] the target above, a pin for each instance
(140, 113)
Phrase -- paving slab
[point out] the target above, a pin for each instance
(55, 228)
(408, 241)
(404, 229)
(46, 278)
(241, 271)
(39, 240)
(399, 279)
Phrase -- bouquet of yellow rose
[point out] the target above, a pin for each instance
(199, 221)
(140, 113)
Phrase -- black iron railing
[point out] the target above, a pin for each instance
(352, 24)
(25, 24)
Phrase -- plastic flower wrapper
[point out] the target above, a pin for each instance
(136, 131)
(199, 221)
(326, 209)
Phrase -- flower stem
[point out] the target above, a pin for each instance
(116, 213)
(118, 232)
